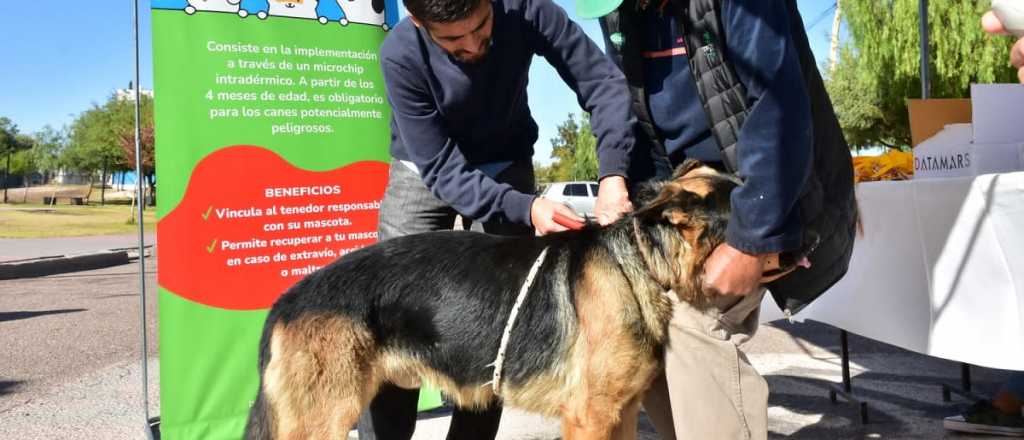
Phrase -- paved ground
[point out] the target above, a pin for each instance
(69, 369)
(23, 248)
(69, 355)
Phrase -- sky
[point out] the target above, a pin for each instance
(57, 65)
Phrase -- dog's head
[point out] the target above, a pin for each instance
(682, 224)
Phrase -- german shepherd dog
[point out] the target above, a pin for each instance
(433, 307)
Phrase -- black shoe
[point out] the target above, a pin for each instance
(983, 418)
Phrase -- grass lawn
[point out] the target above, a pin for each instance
(42, 221)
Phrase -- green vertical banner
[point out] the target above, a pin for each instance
(271, 155)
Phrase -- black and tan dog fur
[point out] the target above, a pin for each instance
(432, 307)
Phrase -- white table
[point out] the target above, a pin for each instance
(939, 270)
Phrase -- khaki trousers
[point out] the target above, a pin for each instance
(709, 390)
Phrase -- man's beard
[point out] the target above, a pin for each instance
(465, 57)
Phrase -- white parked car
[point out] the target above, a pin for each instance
(580, 196)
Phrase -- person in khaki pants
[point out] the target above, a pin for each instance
(719, 395)
(734, 84)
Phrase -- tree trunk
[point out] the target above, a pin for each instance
(88, 194)
(152, 189)
(134, 197)
(7, 175)
(103, 183)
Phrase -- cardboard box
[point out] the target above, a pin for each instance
(929, 116)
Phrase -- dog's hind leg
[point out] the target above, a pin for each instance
(319, 377)
(601, 416)
(628, 423)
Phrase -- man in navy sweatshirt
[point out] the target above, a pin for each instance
(462, 140)
(734, 84)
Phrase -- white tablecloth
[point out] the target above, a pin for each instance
(939, 270)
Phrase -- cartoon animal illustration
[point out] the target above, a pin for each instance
(292, 8)
(329, 11)
(370, 12)
(212, 5)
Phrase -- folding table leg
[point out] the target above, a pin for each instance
(965, 385)
(847, 388)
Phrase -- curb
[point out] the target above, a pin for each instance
(38, 267)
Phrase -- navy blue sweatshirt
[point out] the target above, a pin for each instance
(449, 117)
(775, 143)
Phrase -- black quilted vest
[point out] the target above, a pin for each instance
(827, 206)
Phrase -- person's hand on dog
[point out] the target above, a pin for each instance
(542, 214)
(612, 200)
(992, 25)
(730, 271)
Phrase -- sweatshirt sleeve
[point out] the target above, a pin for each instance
(774, 147)
(443, 168)
(599, 85)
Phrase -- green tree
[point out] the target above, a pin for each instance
(584, 164)
(123, 112)
(22, 161)
(93, 145)
(563, 150)
(573, 151)
(542, 175)
(879, 67)
(47, 150)
(102, 139)
(11, 142)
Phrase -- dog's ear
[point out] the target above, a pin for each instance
(646, 192)
(656, 204)
(670, 204)
(676, 216)
(687, 166)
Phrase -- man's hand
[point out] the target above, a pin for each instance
(729, 271)
(542, 214)
(992, 25)
(612, 200)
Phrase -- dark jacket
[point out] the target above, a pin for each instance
(449, 117)
(766, 106)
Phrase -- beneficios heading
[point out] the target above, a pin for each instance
(300, 191)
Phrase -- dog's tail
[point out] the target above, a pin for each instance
(261, 422)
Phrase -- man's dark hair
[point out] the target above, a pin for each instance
(441, 11)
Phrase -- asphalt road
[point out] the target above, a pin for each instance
(68, 345)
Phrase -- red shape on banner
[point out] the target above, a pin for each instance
(251, 225)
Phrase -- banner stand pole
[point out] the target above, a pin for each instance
(142, 237)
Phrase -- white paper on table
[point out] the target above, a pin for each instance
(996, 112)
(977, 277)
(996, 158)
(939, 270)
